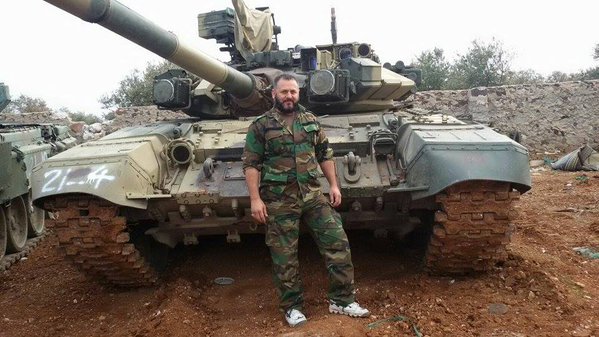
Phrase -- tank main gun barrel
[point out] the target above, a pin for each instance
(131, 25)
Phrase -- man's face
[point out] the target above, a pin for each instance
(286, 96)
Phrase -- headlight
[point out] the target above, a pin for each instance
(322, 82)
(328, 86)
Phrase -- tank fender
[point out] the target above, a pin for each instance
(111, 169)
(438, 156)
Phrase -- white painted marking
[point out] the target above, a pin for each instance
(64, 179)
(56, 180)
(54, 174)
(98, 175)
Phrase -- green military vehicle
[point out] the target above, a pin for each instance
(125, 199)
(22, 146)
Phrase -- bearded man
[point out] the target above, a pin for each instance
(283, 150)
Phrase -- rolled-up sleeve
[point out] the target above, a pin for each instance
(322, 148)
(253, 152)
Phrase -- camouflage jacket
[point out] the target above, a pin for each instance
(285, 157)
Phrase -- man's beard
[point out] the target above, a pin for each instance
(281, 107)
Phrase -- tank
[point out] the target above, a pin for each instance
(22, 146)
(125, 200)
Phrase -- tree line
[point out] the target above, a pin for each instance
(26, 104)
(485, 65)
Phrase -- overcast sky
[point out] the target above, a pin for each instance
(50, 54)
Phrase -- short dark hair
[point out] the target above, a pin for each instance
(283, 76)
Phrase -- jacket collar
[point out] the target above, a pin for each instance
(276, 115)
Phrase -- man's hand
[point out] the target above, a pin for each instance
(259, 210)
(328, 168)
(252, 178)
(335, 196)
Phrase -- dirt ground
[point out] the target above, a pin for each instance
(544, 289)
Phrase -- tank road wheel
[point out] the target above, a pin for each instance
(95, 238)
(16, 225)
(472, 228)
(36, 219)
(3, 238)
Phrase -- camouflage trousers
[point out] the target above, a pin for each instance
(324, 223)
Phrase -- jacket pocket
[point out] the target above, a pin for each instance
(275, 177)
(278, 143)
(311, 132)
(272, 186)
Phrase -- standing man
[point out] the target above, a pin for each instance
(283, 150)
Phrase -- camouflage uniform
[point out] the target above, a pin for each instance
(288, 158)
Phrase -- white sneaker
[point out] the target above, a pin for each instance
(352, 309)
(295, 317)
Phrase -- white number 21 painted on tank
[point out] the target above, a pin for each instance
(56, 180)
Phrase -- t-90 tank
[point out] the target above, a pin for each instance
(125, 199)
(22, 146)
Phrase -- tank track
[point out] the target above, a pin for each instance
(95, 238)
(472, 228)
(10, 259)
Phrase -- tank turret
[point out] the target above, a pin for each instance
(334, 78)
